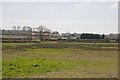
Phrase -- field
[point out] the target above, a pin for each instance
(59, 60)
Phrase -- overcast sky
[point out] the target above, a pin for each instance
(90, 17)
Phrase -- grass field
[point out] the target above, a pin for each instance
(59, 60)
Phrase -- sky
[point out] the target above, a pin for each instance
(81, 17)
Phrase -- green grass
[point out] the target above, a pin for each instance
(83, 60)
(26, 67)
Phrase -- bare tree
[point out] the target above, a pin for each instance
(40, 31)
(18, 28)
(24, 28)
(40, 28)
(14, 28)
(29, 28)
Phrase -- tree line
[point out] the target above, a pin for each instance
(92, 36)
